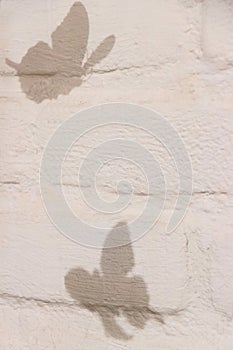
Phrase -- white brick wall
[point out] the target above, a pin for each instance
(175, 57)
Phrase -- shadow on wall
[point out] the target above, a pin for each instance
(46, 73)
(111, 292)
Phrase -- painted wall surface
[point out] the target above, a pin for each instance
(163, 291)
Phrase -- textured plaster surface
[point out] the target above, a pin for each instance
(175, 57)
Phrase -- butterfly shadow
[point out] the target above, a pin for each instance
(46, 72)
(113, 291)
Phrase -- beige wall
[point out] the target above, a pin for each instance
(173, 56)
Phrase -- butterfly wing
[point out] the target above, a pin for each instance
(70, 39)
(39, 60)
(83, 286)
(118, 261)
(102, 51)
(37, 73)
(111, 327)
